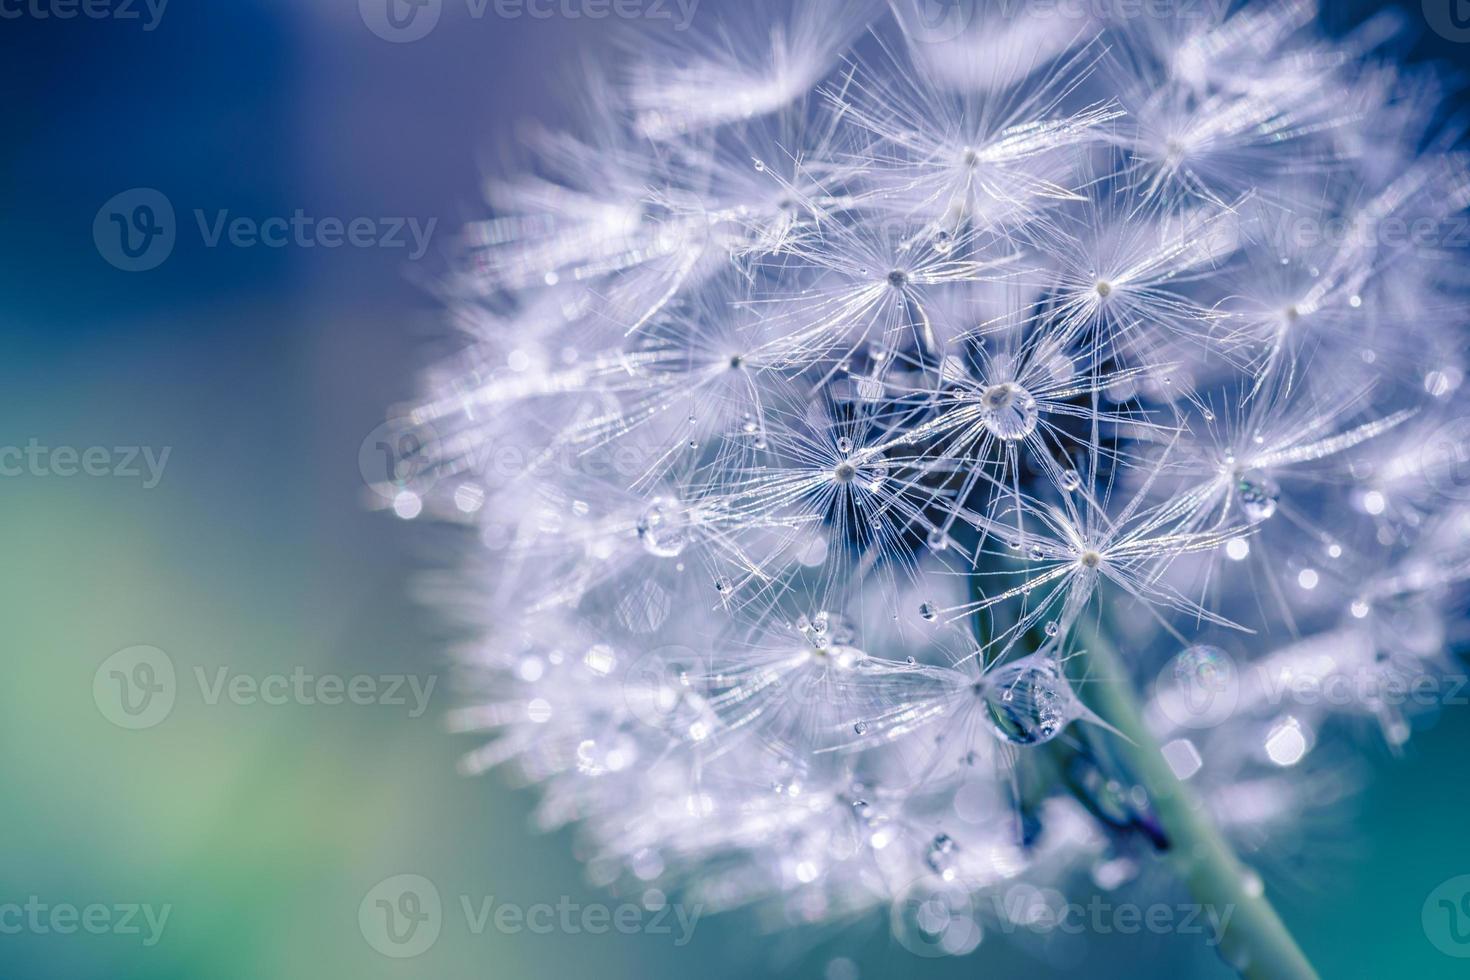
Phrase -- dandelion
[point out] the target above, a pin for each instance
(937, 460)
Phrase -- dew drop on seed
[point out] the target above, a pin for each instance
(928, 612)
(1029, 701)
(664, 527)
(1008, 411)
(1258, 495)
(1071, 480)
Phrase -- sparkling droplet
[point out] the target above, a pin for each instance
(861, 728)
(1008, 410)
(664, 527)
(1051, 627)
(1258, 495)
(1071, 480)
(927, 611)
(1029, 701)
(844, 444)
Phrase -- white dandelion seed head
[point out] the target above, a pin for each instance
(839, 383)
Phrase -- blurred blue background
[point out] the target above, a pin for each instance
(262, 827)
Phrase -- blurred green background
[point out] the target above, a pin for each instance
(262, 827)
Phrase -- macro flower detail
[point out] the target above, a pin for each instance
(940, 470)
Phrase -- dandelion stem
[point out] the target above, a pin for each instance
(1255, 942)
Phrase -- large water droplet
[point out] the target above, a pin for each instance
(664, 527)
(1029, 701)
(1008, 410)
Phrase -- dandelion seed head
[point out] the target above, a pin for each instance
(835, 391)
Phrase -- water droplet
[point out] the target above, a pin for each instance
(844, 444)
(664, 527)
(1008, 410)
(1258, 495)
(937, 540)
(1029, 701)
(928, 612)
(1051, 627)
(861, 728)
(1071, 480)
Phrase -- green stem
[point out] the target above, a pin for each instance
(1256, 942)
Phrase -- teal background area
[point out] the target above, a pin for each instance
(261, 826)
